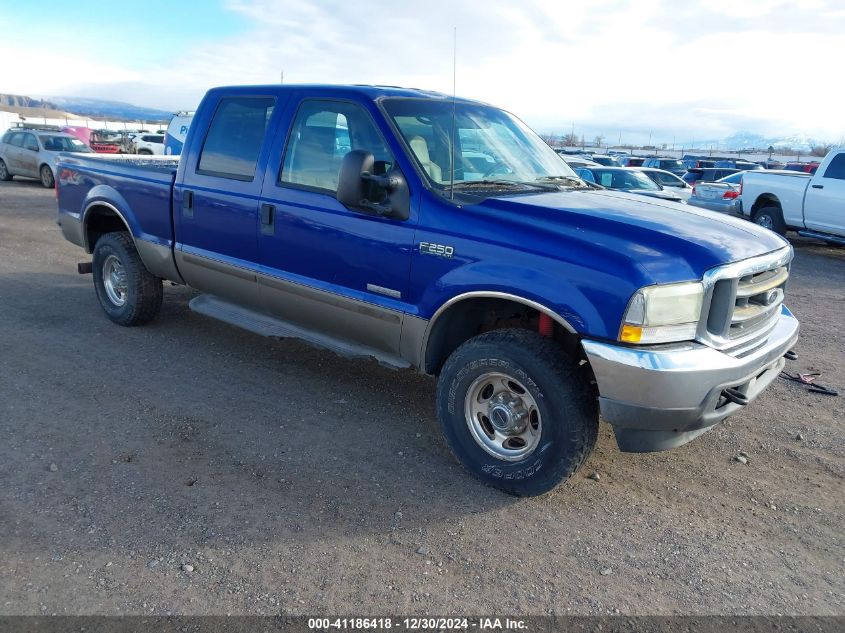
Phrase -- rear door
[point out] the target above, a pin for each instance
(215, 207)
(334, 270)
(824, 203)
(12, 152)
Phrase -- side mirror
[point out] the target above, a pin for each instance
(358, 188)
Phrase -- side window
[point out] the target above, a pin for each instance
(836, 169)
(322, 133)
(30, 143)
(235, 136)
(586, 174)
(16, 139)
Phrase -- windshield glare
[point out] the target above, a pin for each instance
(490, 144)
(623, 179)
(63, 144)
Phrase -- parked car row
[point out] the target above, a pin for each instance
(804, 197)
(33, 153)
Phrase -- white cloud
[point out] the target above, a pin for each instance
(706, 68)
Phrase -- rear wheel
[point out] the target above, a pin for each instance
(145, 152)
(4, 172)
(47, 178)
(770, 218)
(516, 411)
(129, 294)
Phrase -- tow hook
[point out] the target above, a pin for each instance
(85, 268)
(735, 396)
(791, 355)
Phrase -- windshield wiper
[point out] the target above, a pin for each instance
(504, 183)
(578, 183)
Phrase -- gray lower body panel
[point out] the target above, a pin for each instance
(267, 325)
(158, 259)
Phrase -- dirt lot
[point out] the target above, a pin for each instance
(294, 481)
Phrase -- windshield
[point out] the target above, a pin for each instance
(490, 145)
(623, 179)
(63, 144)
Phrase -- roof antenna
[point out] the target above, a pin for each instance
(452, 144)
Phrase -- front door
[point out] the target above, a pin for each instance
(337, 271)
(29, 155)
(824, 204)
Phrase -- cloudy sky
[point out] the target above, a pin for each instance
(684, 69)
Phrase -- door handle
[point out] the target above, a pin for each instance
(188, 204)
(268, 219)
(817, 186)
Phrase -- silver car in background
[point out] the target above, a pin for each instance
(721, 195)
(668, 181)
(33, 153)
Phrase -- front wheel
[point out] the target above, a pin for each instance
(516, 411)
(129, 294)
(47, 178)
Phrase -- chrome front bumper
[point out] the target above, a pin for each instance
(663, 396)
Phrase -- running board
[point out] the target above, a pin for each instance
(823, 236)
(266, 325)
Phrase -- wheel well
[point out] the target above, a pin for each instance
(477, 315)
(100, 220)
(766, 200)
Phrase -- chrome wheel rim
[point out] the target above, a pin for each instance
(765, 221)
(502, 416)
(46, 177)
(114, 280)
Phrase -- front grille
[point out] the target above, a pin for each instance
(744, 301)
(758, 300)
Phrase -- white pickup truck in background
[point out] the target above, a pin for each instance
(814, 206)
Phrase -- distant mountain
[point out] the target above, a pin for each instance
(109, 109)
(18, 101)
(749, 141)
(79, 106)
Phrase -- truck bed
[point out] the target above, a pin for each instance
(139, 188)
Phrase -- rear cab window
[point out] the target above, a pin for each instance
(235, 137)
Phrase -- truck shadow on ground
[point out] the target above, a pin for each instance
(192, 429)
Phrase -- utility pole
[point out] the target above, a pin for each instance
(282, 78)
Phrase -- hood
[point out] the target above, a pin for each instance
(667, 241)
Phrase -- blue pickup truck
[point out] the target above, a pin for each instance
(443, 235)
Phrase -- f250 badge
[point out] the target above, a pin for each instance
(438, 250)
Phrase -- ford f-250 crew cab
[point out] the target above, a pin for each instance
(444, 235)
(813, 205)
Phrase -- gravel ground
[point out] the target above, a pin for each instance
(189, 467)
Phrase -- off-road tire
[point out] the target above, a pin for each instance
(47, 178)
(568, 409)
(143, 290)
(5, 176)
(770, 218)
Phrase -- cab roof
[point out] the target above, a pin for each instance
(371, 92)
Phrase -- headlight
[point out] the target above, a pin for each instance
(663, 314)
